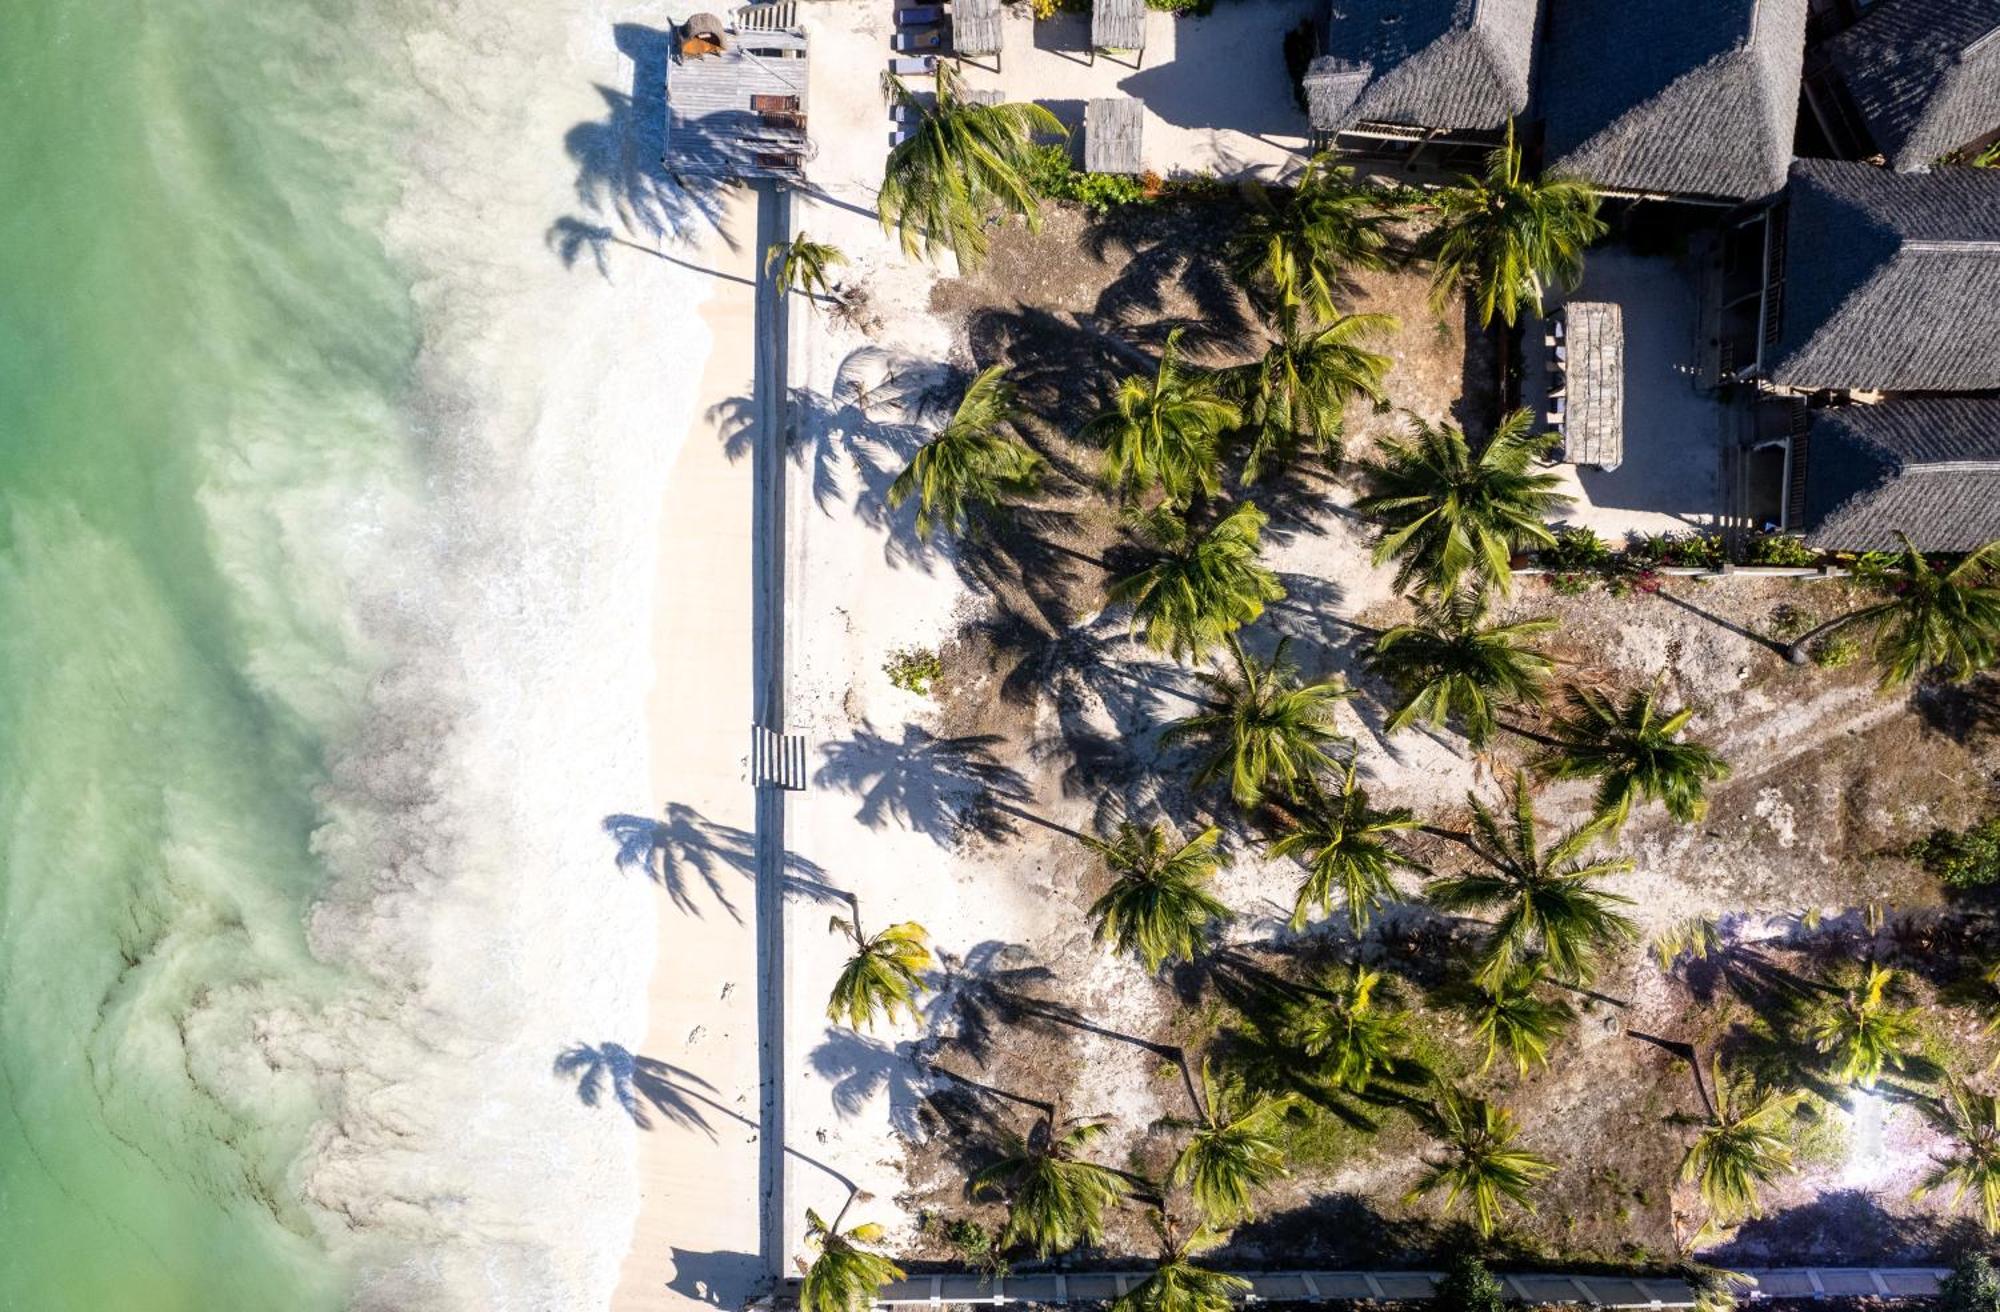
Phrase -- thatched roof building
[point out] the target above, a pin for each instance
(1929, 466)
(975, 27)
(1693, 98)
(1889, 281)
(1449, 65)
(1924, 76)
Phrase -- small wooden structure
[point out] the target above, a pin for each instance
(975, 29)
(1118, 26)
(1111, 135)
(736, 96)
(1594, 420)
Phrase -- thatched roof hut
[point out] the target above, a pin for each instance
(1924, 76)
(1928, 466)
(1431, 64)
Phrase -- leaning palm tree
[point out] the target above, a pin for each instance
(1293, 246)
(1505, 237)
(1163, 431)
(1198, 585)
(1056, 1199)
(803, 265)
(1861, 1030)
(972, 465)
(1294, 399)
(1548, 898)
(1634, 749)
(1450, 666)
(1973, 1164)
(1157, 906)
(1260, 726)
(882, 975)
(1233, 1152)
(845, 1276)
(1345, 846)
(1178, 1283)
(962, 161)
(1514, 1017)
(1479, 1162)
(1746, 1144)
(1446, 512)
(1933, 619)
(1344, 1028)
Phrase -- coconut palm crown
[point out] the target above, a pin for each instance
(1164, 432)
(1294, 246)
(1158, 906)
(1506, 237)
(1972, 1164)
(1178, 1283)
(972, 465)
(1633, 747)
(962, 161)
(1452, 667)
(1294, 399)
(1479, 1163)
(1861, 1030)
(1512, 1016)
(882, 977)
(804, 265)
(845, 1276)
(1448, 514)
(1260, 726)
(1944, 620)
(1347, 848)
(1197, 585)
(1547, 897)
(1056, 1198)
(1347, 1031)
(1744, 1146)
(1233, 1152)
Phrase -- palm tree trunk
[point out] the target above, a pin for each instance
(1797, 653)
(1530, 734)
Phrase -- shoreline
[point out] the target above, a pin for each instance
(696, 1236)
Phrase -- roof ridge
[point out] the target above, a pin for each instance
(1979, 42)
(1952, 245)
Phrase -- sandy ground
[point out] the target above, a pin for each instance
(696, 1239)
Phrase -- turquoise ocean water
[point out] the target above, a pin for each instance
(203, 348)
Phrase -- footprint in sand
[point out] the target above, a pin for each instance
(695, 1035)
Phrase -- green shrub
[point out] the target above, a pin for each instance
(1972, 1286)
(1835, 653)
(1051, 176)
(977, 1246)
(1967, 858)
(1467, 1286)
(1780, 549)
(1577, 549)
(1681, 550)
(1788, 621)
(913, 669)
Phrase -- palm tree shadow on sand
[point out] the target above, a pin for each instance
(682, 847)
(943, 788)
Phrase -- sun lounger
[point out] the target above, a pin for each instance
(919, 16)
(929, 38)
(914, 65)
(1562, 353)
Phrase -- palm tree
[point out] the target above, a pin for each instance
(1974, 1161)
(881, 976)
(1233, 1152)
(1344, 844)
(1295, 398)
(1513, 1017)
(803, 265)
(1480, 1162)
(1178, 1283)
(1056, 1199)
(1505, 237)
(1746, 1143)
(971, 465)
(1163, 431)
(1445, 512)
(1293, 246)
(961, 161)
(1449, 666)
(1261, 726)
(1933, 619)
(1198, 585)
(1634, 748)
(1157, 906)
(1344, 1030)
(845, 1276)
(1548, 899)
(1861, 1031)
